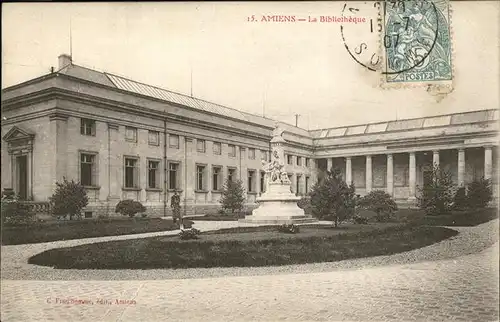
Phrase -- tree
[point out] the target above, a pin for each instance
(69, 198)
(379, 202)
(479, 193)
(233, 195)
(332, 198)
(460, 199)
(436, 197)
(129, 207)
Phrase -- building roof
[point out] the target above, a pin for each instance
(409, 124)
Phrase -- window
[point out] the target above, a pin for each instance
(307, 162)
(131, 173)
(307, 185)
(173, 176)
(130, 134)
(216, 178)
(87, 127)
(289, 159)
(154, 138)
(153, 174)
(88, 214)
(251, 180)
(200, 177)
(262, 181)
(232, 150)
(88, 170)
(251, 154)
(173, 141)
(263, 155)
(217, 148)
(297, 185)
(231, 174)
(200, 145)
(299, 161)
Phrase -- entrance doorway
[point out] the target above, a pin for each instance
(22, 176)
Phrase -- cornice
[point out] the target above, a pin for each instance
(58, 116)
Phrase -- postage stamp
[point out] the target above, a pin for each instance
(416, 43)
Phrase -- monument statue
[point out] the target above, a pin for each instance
(277, 205)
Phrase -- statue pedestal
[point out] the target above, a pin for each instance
(278, 206)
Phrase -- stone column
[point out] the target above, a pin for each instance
(412, 173)
(189, 176)
(488, 162)
(390, 174)
(368, 173)
(329, 164)
(435, 158)
(461, 167)
(115, 164)
(348, 170)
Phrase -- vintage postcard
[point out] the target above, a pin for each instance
(250, 161)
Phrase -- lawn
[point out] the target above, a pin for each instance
(261, 247)
(76, 229)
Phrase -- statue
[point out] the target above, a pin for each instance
(277, 134)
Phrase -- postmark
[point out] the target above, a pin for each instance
(416, 43)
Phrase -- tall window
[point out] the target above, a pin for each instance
(87, 127)
(200, 145)
(200, 177)
(231, 174)
(263, 155)
(88, 170)
(173, 141)
(232, 151)
(299, 161)
(131, 173)
(217, 147)
(173, 176)
(130, 134)
(289, 159)
(307, 185)
(153, 174)
(307, 162)
(154, 138)
(297, 185)
(251, 153)
(251, 180)
(216, 178)
(262, 181)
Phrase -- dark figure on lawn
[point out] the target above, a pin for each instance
(175, 204)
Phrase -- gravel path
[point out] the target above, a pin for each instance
(470, 240)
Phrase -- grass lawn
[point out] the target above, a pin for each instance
(75, 229)
(261, 247)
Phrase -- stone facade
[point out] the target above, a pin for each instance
(127, 140)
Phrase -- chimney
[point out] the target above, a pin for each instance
(64, 60)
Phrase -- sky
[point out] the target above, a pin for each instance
(278, 69)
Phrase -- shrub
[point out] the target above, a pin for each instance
(436, 197)
(289, 228)
(379, 202)
(129, 208)
(13, 211)
(460, 199)
(191, 233)
(305, 204)
(360, 220)
(233, 196)
(69, 198)
(479, 193)
(332, 198)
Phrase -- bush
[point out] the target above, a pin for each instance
(460, 200)
(479, 193)
(15, 212)
(332, 198)
(289, 228)
(233, 196)
(69, 198)
(379, 202)
(437, 196)
(305, 204)
(360, 220)
(191, 233)
(129, 208)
